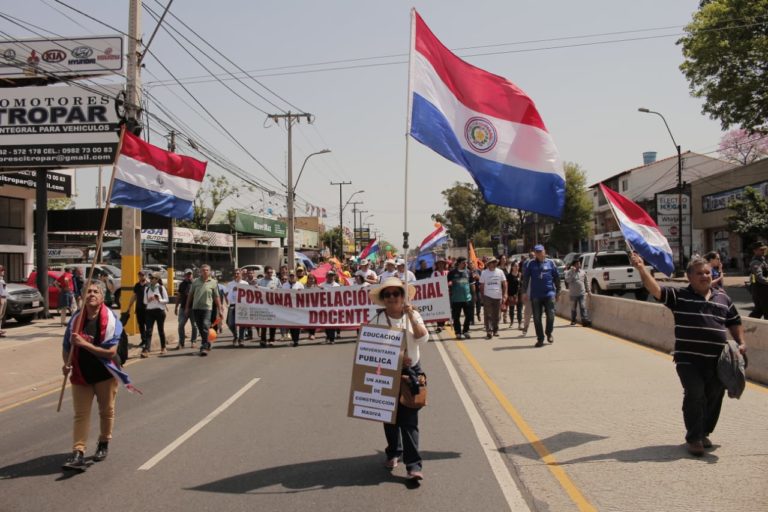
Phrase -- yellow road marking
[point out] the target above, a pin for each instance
(554, 467)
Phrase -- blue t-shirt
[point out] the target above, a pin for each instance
(459, 286)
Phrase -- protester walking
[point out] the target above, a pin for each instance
(270, 282)
(92, 371)
(702, 316)
(155, 300)
(330, 282)
(141, 307)
(578, 289)
(541, 274)
(238, 334)
(203, 298)
(460, 292)
(295, 285)
(180, 309)
(514, 294)
(66, 295)
(493, 289)
(403, 436)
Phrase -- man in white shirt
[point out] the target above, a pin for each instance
(493, 290)
(238, 335)
(330, 282)
(270, 282)
(402, 273)
(369, 276)
(389, 270)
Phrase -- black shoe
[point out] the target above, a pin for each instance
(466, 335)
(496, 333)
(488, 336)
(550, 339)
(76, 461)
(439, 330)
(102, 450)
(539, 343)
(706, 443)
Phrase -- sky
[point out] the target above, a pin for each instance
(587, 65)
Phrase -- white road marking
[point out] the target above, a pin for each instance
(507, 484)
(192, 431)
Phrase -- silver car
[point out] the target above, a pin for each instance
(24, 303)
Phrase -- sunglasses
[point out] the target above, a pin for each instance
(397, 293)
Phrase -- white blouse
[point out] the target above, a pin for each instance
(399, 323)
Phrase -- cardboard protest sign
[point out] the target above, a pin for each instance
(339, 307)
(375, 390)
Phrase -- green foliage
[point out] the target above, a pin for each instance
(469, 216)
(214, 191)
(332, 239)
(750, 215)
(577, 212)
(60, 204)
(726, 58)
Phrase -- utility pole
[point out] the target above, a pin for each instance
(341, 217)
(360, 227)
(171, 249)
(131, 217)
(354, 223)
(290, 118)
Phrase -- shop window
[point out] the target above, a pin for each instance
(11, 221)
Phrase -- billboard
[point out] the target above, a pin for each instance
(58, 126)
(61, 57)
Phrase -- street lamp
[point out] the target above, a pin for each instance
(680, 253)
(292, 214)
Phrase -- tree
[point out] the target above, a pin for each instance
(750, 217)
(469, 216)
(61, 204)
(726, 56)
(575, 223)
(332, 240)
(214, 191)
(742, 147)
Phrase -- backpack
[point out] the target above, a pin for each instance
(122, 346)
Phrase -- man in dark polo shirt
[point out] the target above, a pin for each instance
(703, 316)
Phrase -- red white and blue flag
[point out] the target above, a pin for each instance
(639, 230)
(371, 250)
(484, 123)
(435, 238)
(154, 180)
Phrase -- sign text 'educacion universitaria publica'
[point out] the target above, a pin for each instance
(343, 306)
(375, 389)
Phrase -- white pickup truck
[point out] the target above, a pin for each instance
(610, 272)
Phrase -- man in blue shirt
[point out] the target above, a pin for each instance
(541, 274)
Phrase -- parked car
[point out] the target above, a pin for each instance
(560, 267)
(23, 303)
(610, 272)
(113, 273)
(53, 290)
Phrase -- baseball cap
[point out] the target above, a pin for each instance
(538, 247)
(187, 271)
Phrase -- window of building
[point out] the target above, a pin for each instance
(11, 221)
(624, 185)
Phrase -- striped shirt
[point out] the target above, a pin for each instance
(701, 324)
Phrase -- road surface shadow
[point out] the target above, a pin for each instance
(365, 470)
(655, 453)
(553, 444)
(40, 466)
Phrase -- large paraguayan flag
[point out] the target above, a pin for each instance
(152, 179)
(640, 231)
(484, 123)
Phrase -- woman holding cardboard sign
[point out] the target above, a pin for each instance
(403, 436)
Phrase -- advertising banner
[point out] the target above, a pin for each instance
(375, 390)
(340, 307)
(58, 127)
(63, 58)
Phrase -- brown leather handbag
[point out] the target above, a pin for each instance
(407, 398)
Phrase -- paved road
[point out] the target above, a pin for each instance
(591, 422)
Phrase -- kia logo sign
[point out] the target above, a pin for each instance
(82, 52)
(54, 56)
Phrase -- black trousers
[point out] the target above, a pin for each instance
(141, 319)
(760, 298)
(456, 309)
(403, 436)
(702, 397)
(154, 316)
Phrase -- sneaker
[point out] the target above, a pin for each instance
(696, 448)
(391, 463)
(706, 443)
(416, 475)
(524, 332)
(102, 450)
(550, 339)
(240, 343)
(572, 323)
(459, 336)
(496, 333)
(76, 461)
(202, 352)
(539, 343)
(144, 354)
(488, 336)
(466, 335)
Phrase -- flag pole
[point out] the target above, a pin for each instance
(407, 151)
(96, 255)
